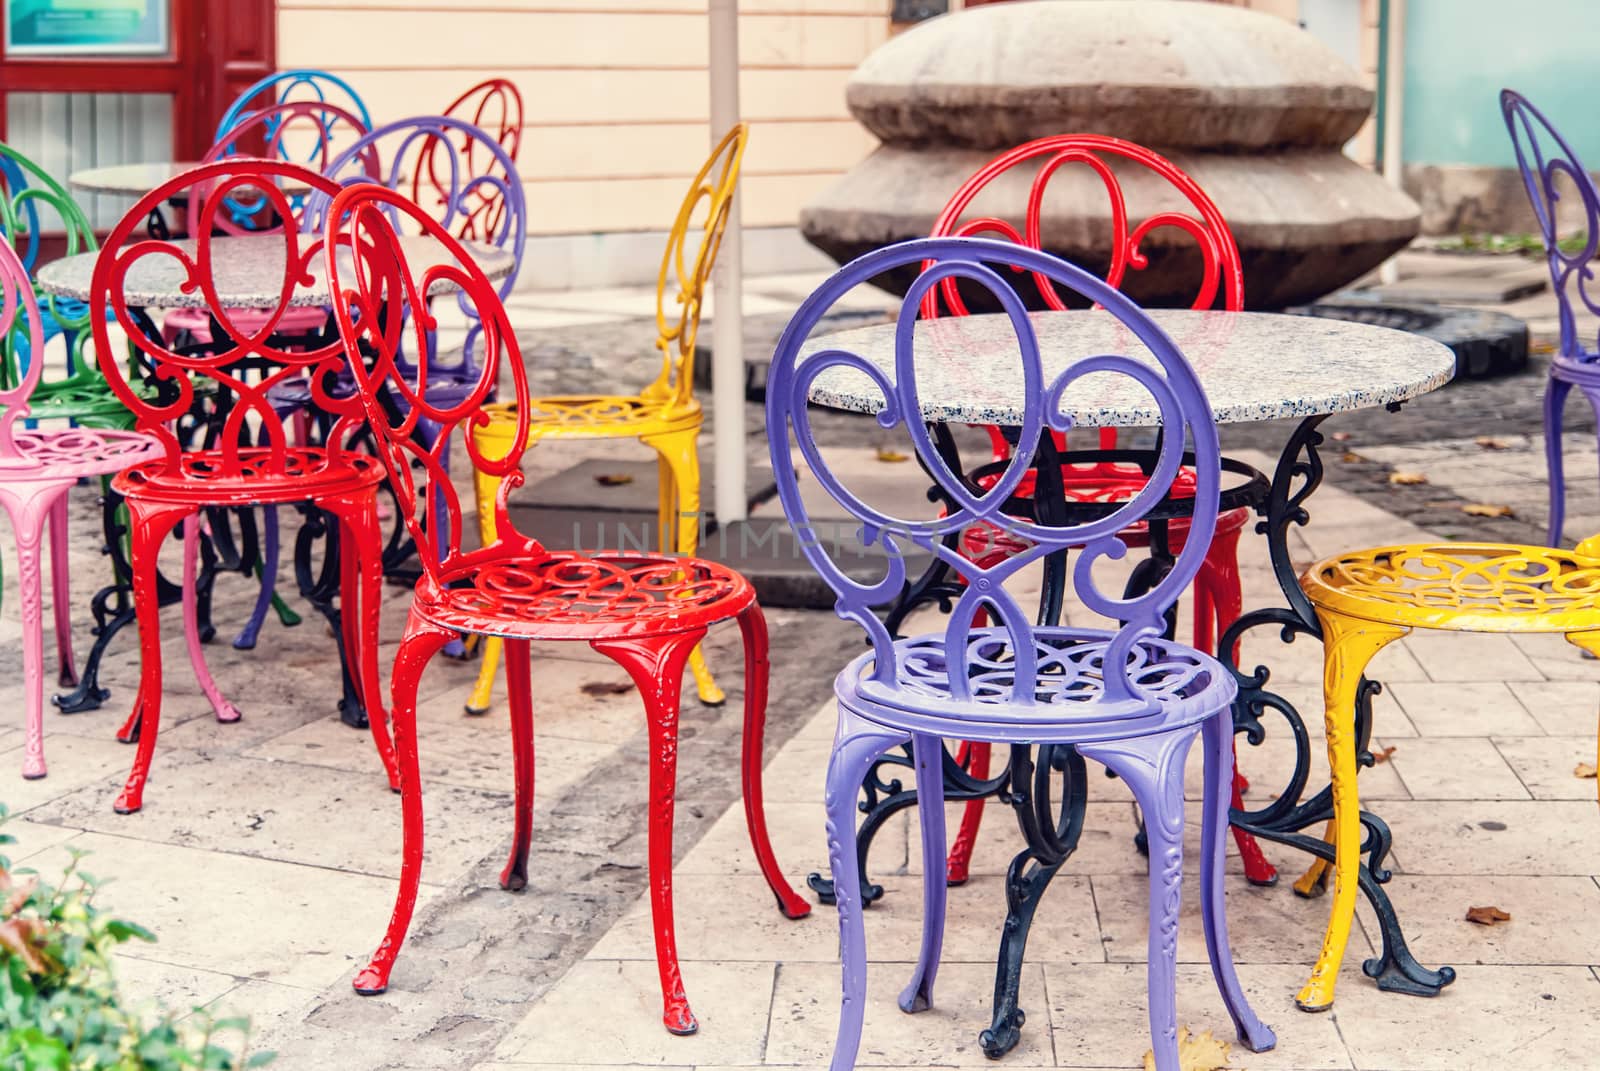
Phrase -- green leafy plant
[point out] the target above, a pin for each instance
(60, 1008)
(1527, 245)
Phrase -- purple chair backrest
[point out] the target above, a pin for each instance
(461, 183)
(1168, 380)
(1545, 158)
(19, 324)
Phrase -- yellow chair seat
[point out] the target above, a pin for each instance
(1367, 599)
(1461, 587)
(593, 416)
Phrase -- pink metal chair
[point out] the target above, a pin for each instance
(37, 469)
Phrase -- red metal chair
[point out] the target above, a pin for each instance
(240, 454)
(645, 611)
(1217, 599)
(495, 107)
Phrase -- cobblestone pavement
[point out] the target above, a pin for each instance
(266, 855)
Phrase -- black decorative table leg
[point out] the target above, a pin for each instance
(1289, 814)
(320, 587)
(112, 606)
(1051, 838)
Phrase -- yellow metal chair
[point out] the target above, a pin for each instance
(665, 415)
(1366, 599)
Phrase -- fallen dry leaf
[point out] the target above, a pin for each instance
(21, 938)
(1196, 1052)
(596, 689)
(1350, 457)
(1487, 916)
(613, 479)
(1584, 770)
(1541, 347)
(1407, 479)
(891, 456)
(1489, 442)
(1381, 755)
(1487, 509)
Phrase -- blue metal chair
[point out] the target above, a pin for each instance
(1123, 695)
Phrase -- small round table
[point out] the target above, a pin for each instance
(1254, 367)
(248, 271)
(136, 180)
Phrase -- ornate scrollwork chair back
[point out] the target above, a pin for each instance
(286, 87)
(1168, 380)
(1550, 167)
(493, 106)
(458, 187)
(244, 358)
(379, 299)
(327, 128)
(1222, 274)
(685, 267)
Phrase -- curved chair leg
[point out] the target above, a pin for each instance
(858, 744)
(29, 507)
(958, 866)
(246, 640)
(519, 697)
(1348, 645)
(753, 627)
(929, 755)
(1219, 580)
(486, 488)
(1217, 735)
(1588, 641)
(61, 593)
(150, 523)
(225, 711)
(656, 666)
(417, 647)
(1555, 397)
(972, 756)
(680, 515)
(360, 608)
(1153, 768)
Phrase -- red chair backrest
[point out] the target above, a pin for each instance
(243, 363)
(1220, 256)
(374, 289)
(495, 107)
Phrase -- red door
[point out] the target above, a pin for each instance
(204, 52)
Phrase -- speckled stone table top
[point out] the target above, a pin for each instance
(248, 272)
(1254, 366)
(136, 180)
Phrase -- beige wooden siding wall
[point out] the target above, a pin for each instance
(615, 91)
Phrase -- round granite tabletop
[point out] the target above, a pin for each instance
(1253, 365)
(136, 180)
(248, 272)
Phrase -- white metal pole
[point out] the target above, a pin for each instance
(1394, 96)
(727, 283)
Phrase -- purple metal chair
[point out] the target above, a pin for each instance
(1548, 165)
(1123, 696)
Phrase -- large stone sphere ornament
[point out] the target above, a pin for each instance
(1256, 110)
